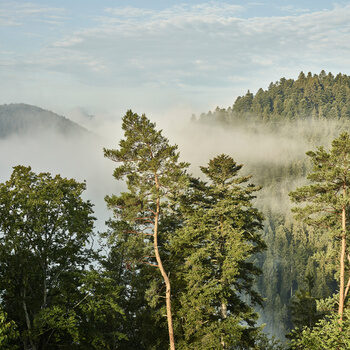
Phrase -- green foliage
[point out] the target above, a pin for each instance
(8, 332)
(263, 342)
(317, 96)
(328, 334)
(45, 227)
(326, 201)
(143, 222)
(326, 206)
(220, 233)
(324, 198)
(303, 309)
(143, 327)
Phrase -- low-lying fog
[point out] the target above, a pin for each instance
(253, 145)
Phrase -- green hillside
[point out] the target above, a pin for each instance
(318, 96)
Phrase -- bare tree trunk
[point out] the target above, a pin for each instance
(164, 274)
(44, 291)
(342, 262)
(223, 304)
(29, 326)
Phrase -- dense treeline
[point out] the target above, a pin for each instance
(318, 96)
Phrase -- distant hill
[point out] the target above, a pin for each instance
(317, 96)
(23, 119)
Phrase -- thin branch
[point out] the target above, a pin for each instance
(347, 289)
(138, 233)
(150, 264)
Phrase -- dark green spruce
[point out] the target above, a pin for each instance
(221, 232)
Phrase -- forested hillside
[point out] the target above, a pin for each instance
(318, 96)
(311, 110)
(23, 119)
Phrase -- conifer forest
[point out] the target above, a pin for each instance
(238, 254)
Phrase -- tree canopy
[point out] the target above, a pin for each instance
(220, 233)
(45, 285)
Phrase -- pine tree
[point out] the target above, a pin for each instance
(153, 175)
(327, 201)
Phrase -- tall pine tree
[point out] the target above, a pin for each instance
(326, 200)
(153, 175)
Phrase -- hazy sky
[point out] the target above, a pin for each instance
(156, 56)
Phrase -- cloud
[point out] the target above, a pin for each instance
(203, 55)
(179, 12)
(169, 41)
(68, 42)
(15, 13)
(293, 10)
(129, 12)
(80, 158)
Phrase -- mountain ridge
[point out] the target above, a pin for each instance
(23, 119)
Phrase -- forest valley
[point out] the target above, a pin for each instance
(239, 257)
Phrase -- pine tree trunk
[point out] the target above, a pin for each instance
(342, 265)
(223, 304)
(164, 274)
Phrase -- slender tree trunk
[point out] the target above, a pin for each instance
(223, 304)
(164, 274)
(29, 326)
(342, 261)
(44, 291)
(224, 315)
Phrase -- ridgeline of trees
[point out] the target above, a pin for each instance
(318, 96)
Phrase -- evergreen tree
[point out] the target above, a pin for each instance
(219, 236)
(153, 175)
(328, 333)
(317, 96)
(327, 200)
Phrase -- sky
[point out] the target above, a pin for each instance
(160, 57)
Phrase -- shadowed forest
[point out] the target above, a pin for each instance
(246, 248)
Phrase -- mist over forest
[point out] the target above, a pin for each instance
(268, 133)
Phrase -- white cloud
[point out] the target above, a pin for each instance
(203, 54)
(69, 41)
(293, 10)
(15, 13)
(129, 12)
